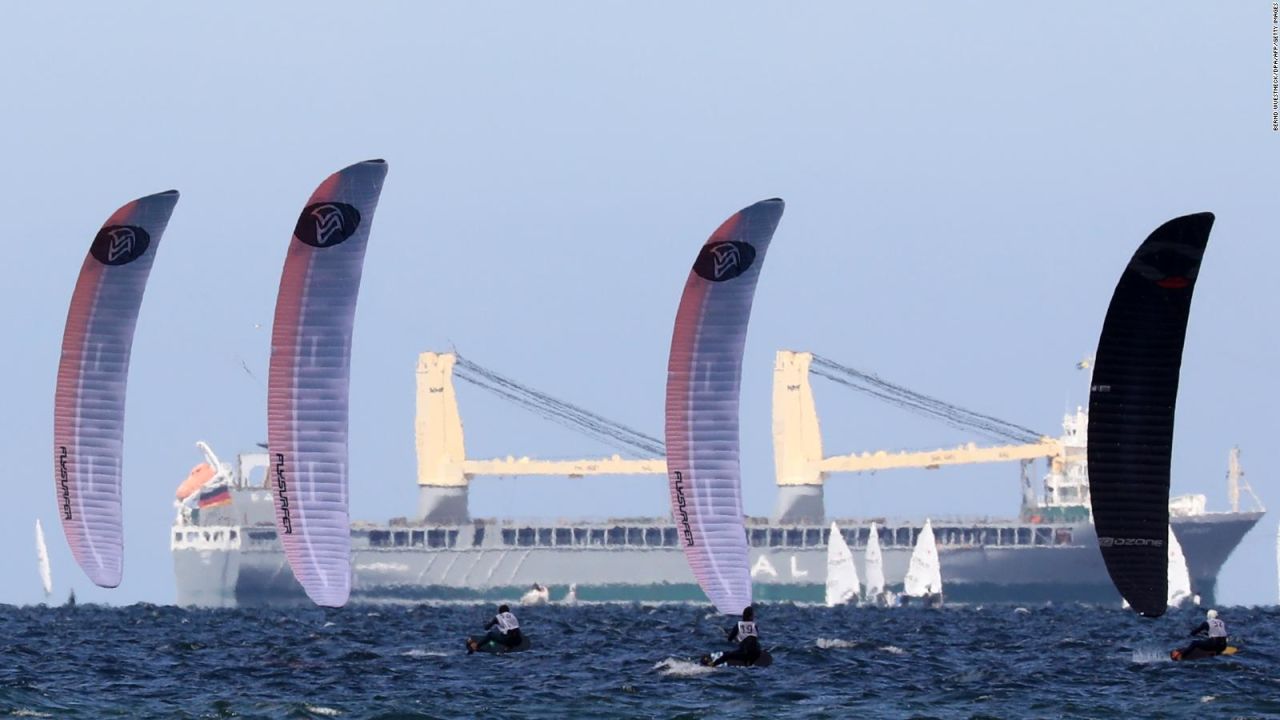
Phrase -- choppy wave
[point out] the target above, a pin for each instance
(674, 667)
(626, 661)
(835, 643)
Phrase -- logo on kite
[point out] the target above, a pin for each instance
(724, 260)
(1168, 266)
(326, 224)
(120, 244)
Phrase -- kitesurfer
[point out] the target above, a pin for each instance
(747, 636)
(503, 629)
(1214, 632)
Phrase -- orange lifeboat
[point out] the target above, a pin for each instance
(196, 479)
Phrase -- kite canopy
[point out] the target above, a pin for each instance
(703, 379)
(88, 405)
(1131, 408)
(309, 379)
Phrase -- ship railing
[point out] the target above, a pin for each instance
(667, 537)
(205, 538)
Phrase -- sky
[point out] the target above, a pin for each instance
(964, 184)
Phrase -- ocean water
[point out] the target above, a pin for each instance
(627, 661)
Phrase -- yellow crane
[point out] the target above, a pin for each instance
(445, 471)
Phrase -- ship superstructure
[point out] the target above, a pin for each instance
(226, 551)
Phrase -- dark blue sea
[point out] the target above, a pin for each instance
(397, 662)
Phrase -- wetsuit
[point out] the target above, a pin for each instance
(748, 639)
(504, 629)
(1216, 641)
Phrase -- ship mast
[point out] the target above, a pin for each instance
(1236, 481)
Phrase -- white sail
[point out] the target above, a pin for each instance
(924, 576)
(1179, 576)
(42, 558)
(874, 565)
(842, 574)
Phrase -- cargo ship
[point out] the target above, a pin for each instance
(226, 551)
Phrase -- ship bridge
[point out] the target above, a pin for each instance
(801, 469)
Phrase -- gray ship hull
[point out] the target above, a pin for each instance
(230, 565)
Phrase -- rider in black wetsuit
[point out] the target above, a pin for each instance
(503, 629)
(1216, 635)
(748, 639)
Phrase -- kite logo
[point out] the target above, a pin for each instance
(724, 260)
(680, 505)
(120, 244)
(324, 225)
(1174, 282)
(282, 490)
(1129, 542)
(1168, 265)
(64, 484)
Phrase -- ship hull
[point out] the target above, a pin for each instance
(235, 566)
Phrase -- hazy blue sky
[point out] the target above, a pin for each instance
(964, 184)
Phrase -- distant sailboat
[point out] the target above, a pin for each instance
(42, 559)
(842, 575)
(1179, 576)
(874, 565)
(924, 576)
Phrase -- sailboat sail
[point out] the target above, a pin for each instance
(308, 383)
(874, 564)
(1131, 408)
(42, 561)
(842, 575)
(703, 380)
(88, 405)
(1179, 576)
(924, 575)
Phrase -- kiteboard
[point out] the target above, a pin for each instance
(765, 660)
(485, 645)
(1198, 654)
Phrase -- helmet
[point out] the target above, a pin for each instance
(1211, 614)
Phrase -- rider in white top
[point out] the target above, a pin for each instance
(503, 629)
(747, 636)
(1214, 631)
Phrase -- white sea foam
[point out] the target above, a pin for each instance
(322, 710)
(23, 712)
(835, 643)
(424, 653)
(894, 650)
(1147, 656)
(1208, 698)
(671, 667)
